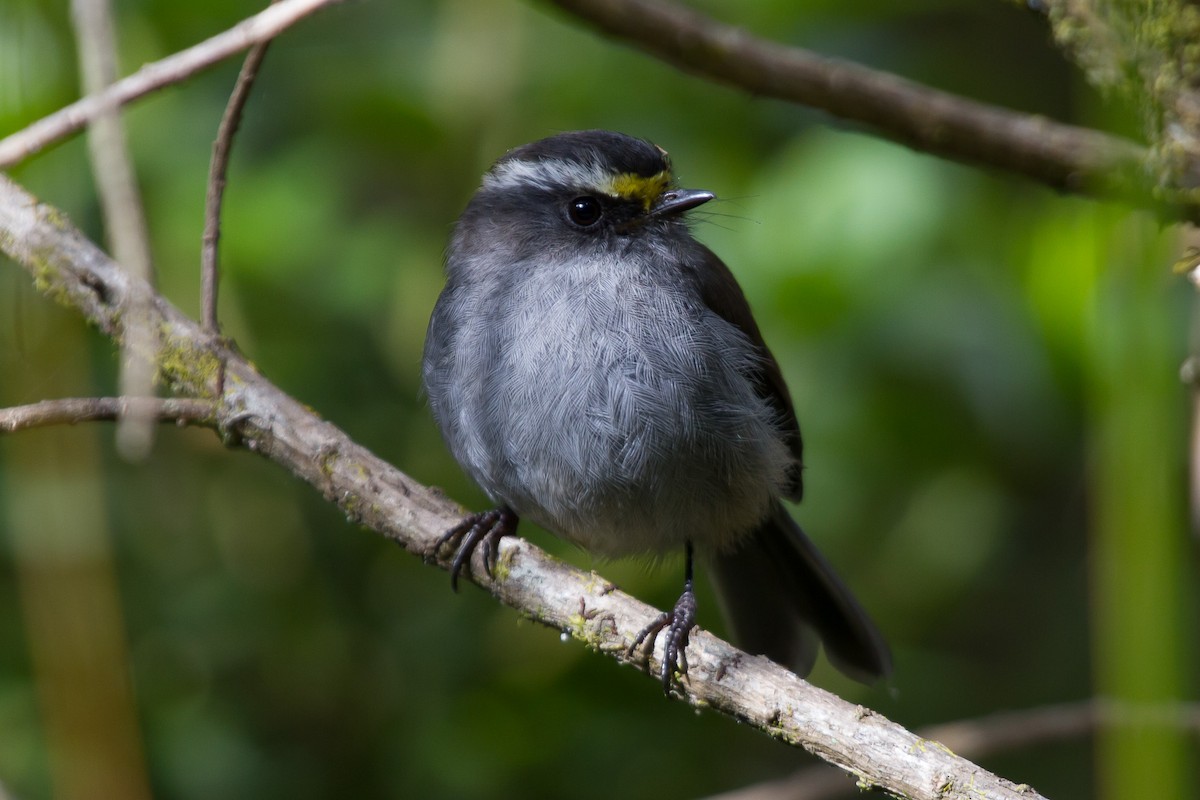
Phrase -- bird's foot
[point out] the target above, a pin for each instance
(485, 528)
(678, 623)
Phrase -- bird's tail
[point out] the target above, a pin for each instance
(781, 596)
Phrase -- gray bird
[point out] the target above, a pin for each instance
(597, 370)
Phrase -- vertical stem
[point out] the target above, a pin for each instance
(54, 517)
(1138, 506)
(123, 216)
(214, 198)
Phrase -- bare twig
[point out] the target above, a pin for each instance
(123, 215)
(1065, 157)
(750, 688)
(73, 410)
(1189, 372)
(1012, 729)
(173, 69)
(222, 147)
(984, 736)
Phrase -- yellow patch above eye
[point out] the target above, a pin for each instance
(640, 188)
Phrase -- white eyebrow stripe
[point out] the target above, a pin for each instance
(548, 174)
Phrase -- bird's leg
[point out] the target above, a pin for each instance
(679, 622)
(486, 528)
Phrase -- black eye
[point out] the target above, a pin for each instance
(585, 211)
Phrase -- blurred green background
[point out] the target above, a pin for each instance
(986, 375)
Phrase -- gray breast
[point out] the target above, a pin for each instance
(608, 407)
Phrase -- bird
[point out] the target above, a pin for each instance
(597, 370)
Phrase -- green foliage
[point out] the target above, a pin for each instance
(984, 372)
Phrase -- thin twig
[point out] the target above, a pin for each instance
(1065, 157)
(980, 737)
(123, 214)
(1009, 730)
(173, 69)
(73, 410)
(222, 147)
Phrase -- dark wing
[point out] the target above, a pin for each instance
(721, 293)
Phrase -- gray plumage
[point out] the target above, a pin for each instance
(608, 382)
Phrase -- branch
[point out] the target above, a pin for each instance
(1146, 53)
(73, 410)
(222, 148)
(984, 736)
(250, 409)
(1065, 157)
(173, 69)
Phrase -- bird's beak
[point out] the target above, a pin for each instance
(676, 201)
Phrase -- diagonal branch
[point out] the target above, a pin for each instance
(1065, 157)
(173, 69)
(252, 411)
(985, 736)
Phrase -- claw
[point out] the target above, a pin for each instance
(486, 528)
(678, 622)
